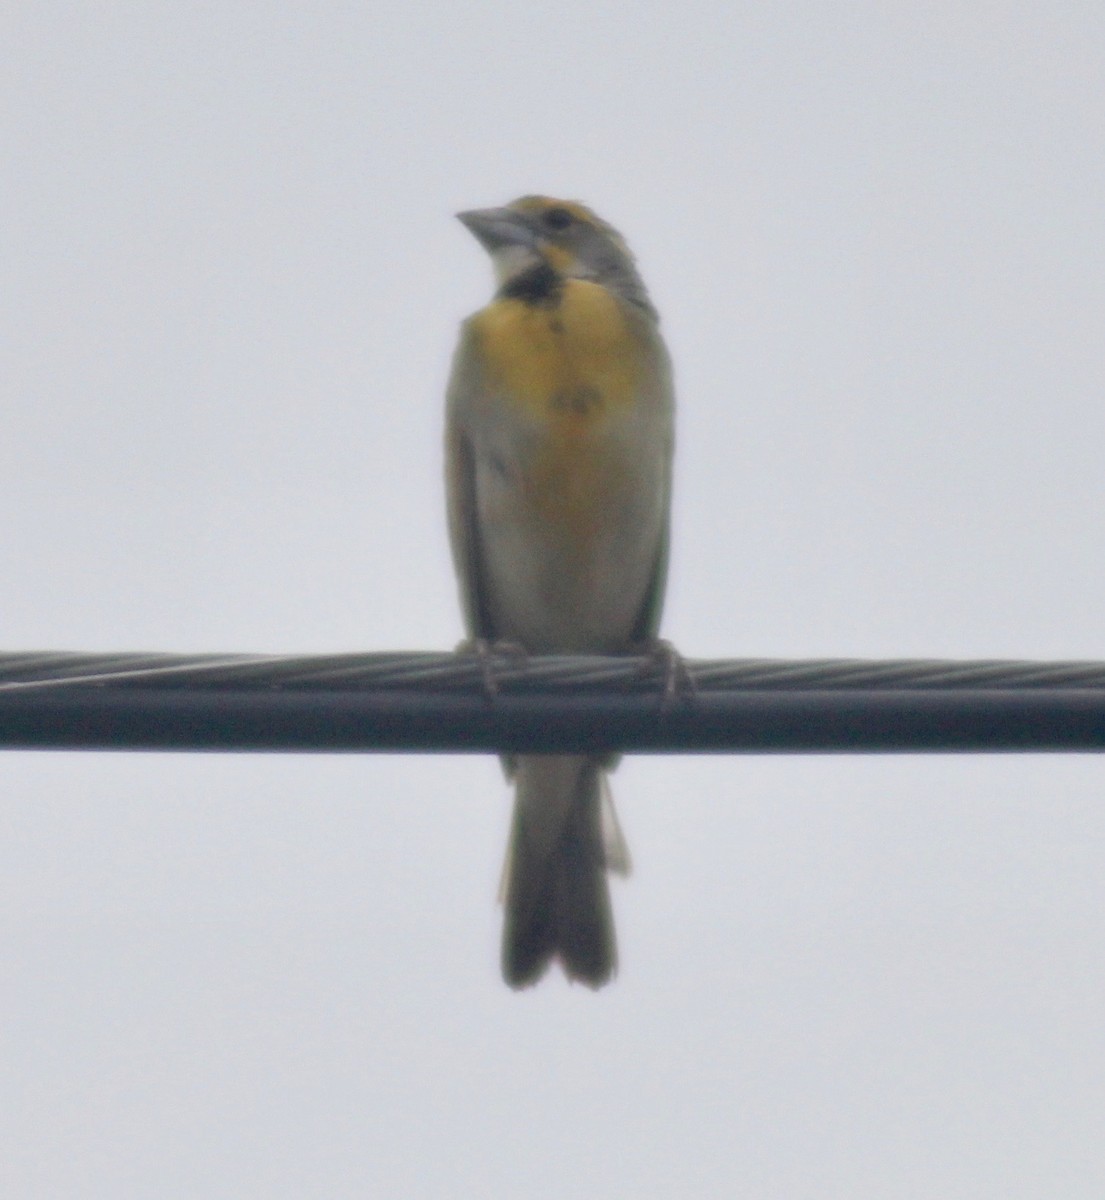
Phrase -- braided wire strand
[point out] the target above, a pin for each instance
(401, 670)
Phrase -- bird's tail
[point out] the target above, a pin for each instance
(563, 840)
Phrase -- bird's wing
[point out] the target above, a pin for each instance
(465, 388)
(647, 623)
(662, 398)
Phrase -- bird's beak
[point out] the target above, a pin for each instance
(497, 228)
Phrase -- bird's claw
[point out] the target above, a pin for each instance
(663, 659)
(485, 652)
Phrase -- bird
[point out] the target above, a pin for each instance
(559, 447)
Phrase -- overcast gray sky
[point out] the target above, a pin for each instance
(231, 286)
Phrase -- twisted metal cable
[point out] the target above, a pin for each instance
(431, 672)
(504, 702)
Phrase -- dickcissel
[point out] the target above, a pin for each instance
(559, 453)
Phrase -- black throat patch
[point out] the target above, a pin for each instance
(539, 285)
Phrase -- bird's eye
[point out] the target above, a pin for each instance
(557, 218)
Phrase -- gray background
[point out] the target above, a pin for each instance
(231, 285)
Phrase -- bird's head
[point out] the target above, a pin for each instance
(537, 236)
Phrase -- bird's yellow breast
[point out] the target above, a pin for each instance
(571, 367)
(568, 362)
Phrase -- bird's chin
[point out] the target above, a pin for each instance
(512, 261)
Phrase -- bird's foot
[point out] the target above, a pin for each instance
(664, 660)
(486, 652)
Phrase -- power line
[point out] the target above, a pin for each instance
(503, 702)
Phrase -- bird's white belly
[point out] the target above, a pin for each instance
(569, 572)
